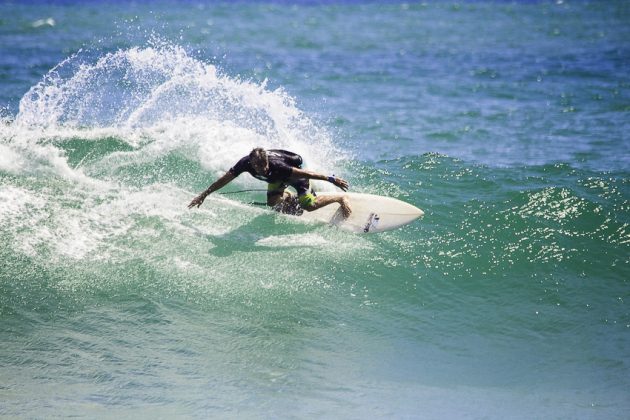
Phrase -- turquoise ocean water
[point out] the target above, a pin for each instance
(507, 122)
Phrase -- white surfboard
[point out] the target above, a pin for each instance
(370, 213)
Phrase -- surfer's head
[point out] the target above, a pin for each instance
(259, 160)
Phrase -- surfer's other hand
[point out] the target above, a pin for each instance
(341, 183)
(197, 201)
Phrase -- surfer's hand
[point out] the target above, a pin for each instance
(197, 201)
(341, 183)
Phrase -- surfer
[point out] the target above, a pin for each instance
(280, 169)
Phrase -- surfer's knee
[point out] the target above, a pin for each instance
(345, 206)
(343, 201)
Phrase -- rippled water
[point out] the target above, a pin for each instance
(505, 122)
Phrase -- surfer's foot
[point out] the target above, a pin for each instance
(345, 207)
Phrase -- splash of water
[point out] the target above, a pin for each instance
(161, 97)
(93, 138)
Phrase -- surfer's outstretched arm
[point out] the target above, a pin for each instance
(301, 173)
(217, 185)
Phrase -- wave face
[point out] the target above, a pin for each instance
(128, 136)
(508, 300)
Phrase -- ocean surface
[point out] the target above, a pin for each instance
(506, 122)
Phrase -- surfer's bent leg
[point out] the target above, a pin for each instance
(322, 201)
(309, 201)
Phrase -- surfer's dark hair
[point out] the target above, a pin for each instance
(259, 155)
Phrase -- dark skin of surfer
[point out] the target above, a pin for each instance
(262, 168)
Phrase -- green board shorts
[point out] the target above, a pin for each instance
(306, 196)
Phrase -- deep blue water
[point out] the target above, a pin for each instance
(506, 122)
